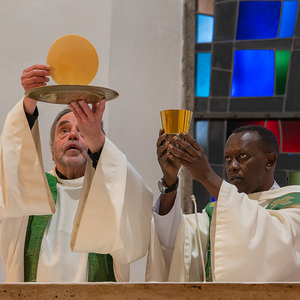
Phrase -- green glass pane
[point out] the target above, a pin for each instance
(282, 59)
(294, 178)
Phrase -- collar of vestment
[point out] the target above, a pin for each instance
(63, 181)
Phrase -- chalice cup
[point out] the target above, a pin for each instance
(174, 122)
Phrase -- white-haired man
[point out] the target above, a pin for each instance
(86, 219)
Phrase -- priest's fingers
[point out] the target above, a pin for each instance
(87, 113)
(88, 122)
(168, 167)
(161, 139)
(99, 107)
(38, 67)
(162, 149)
(84, 109)
(35, 76)
(95, 106)
(81, 110)
(189, 144)
(180, 155)
(195, 161)
(191, 140)
(95, 113)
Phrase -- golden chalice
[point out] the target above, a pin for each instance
(175, 121)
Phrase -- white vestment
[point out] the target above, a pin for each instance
(113, 214)
(55, 248)
(248, 242)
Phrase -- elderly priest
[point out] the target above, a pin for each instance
(87, 218)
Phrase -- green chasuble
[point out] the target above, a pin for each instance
(100, 266)
(276, 204)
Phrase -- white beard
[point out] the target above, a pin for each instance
(70, 161)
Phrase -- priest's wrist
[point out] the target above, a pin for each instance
(164, 188)
(169, 180)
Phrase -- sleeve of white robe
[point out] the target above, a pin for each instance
(114, 212)
(174, 251)
(166, 226)
(23, 184)
(251, 243)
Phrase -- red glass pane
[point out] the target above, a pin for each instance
(274, 127)
(290, 136)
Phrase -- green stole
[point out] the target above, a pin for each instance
(100, 266)
(276, 204)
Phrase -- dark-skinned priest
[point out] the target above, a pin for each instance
(251, 233)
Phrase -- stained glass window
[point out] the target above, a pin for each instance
(205, 29)
(203, 62)
(284, 130)
(282, 59)
(253, 73)
(274, 126)
(294, 178)
(251, 77)
(231, 125)
(201, 131)
(290, 140)
(205, 7)
(258, 20)
(288, 19)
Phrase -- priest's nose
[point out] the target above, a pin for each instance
(74, 134)
(233, 166)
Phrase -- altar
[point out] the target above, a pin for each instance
(147, 291)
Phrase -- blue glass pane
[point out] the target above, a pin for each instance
(253, 73)
(258, 20)
(204, 29)
(288, 19)
(202, 82)
(201, 132)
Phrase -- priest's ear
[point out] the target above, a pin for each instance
(271, 159)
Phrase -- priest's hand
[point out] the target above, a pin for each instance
(194, 159)
(170, 172)
(169, 167)
(89, 122)
(34, 76)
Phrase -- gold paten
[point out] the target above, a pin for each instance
(73, 64)
(73, 60)
(64, 94)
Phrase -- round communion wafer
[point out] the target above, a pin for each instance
(73, 60)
